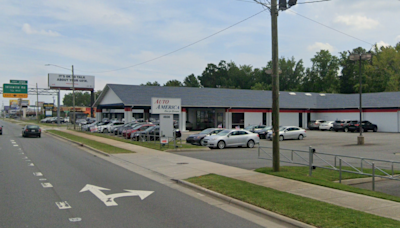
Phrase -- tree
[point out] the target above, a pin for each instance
(349, 80)
(323, 75)
(173, 83)
(81, 99)
(155, 83)
(191, 81)
(292, 73)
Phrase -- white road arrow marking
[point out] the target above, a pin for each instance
(108, 200)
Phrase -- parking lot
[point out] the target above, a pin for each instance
(378, 145)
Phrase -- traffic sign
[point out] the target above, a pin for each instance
(19, 81)
(15, 91)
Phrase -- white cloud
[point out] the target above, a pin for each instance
(30, 31)
(398, 38)
(321, 46)
(359, 22)
(382, 44)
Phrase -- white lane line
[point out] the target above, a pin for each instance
(15, 145)
(38, 174)
(63, 205)
(42, 179)
(21, 153)
(13, 142)
(25, 157)
(47, 185)
(28, 160)
(31, 164)
(75, 219)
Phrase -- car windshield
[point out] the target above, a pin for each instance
(224, 132)
(267, 128)
(206, 131)
(282, 128)
(32, 127)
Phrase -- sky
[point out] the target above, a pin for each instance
(136, 41)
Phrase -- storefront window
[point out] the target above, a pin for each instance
(205, 119)
(238, 120)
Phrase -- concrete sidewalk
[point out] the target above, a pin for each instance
(179, 167)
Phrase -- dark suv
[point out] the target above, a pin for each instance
(343, 125)
(366, 126)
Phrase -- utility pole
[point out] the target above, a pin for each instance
(275, 87)
(37, 103)
(73, 95)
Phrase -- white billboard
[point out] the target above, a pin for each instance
(64, 81)
(165, 105)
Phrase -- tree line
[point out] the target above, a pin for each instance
(328, 74)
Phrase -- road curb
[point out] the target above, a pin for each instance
(187, 150)
(80, 144)
(248, 206)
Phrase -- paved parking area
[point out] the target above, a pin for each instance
(378, 145)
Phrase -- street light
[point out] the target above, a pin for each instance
(73, 89)
(358, 57)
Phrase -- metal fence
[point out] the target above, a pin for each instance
(314, 159)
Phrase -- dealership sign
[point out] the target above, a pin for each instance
(64, 81)
(165, 105)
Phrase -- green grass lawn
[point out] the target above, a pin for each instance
(151, 145)
(97, 145)
(325, 177)
(313, 212)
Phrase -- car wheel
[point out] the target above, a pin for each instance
(281, 138)
(221, 145)
(331, 129)
(211, 148)
(40, 136)
(201, 143)
(346, 129)
(301, 137)
(250, 144)
(105, 130)
(375, 129)
(336, 130)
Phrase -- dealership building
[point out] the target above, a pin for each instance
(212, 107)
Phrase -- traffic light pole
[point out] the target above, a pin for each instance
(275, 87)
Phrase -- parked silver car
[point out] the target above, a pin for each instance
(289, 132)
(232, 138)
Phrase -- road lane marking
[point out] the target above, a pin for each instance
(108, 200)
(38, 174)
(31, 164)
(15, 145)
(63, 205)
(43, 179)
(28, 160)
(25, 157)
(75, 219)
(47, 185)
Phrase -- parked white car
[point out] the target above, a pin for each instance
(108, 127)
(289, 132)
(232, 138)
(326, 126)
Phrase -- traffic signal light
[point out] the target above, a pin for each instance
(282, 5)
(292, 3)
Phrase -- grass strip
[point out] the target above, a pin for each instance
(313, 212)
(97, 145)
(325, 177)
(151, 145)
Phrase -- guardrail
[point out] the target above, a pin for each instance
(314, 159)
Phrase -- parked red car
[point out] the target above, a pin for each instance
(129, 132)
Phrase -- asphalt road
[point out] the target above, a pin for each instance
(43, 182)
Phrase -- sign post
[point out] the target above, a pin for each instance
(166, 107)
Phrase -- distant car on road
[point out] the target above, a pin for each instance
(197, 139)
(1, 130)
(31, 130)
(289, 132)
(232, 138)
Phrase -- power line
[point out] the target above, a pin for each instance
(330, 27)
(179, 49)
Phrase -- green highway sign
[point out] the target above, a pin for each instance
(19, 81)
(15, 88)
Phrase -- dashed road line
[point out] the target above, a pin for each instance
(31, 164)
(75, 219)
(38, 174)
(63, 205)
(47, 185)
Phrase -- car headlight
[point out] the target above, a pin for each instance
(212, 139)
